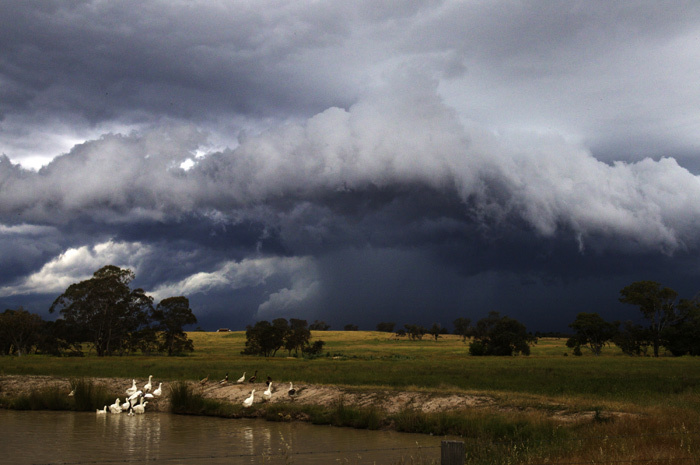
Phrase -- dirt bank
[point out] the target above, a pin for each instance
(389, 400)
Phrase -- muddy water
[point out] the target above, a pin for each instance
(87, 438)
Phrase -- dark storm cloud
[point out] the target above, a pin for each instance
(352, 162)
(596, 72)
(102, 61)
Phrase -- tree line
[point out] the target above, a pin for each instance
(673, 323)
(118, 320)
(494, 334)
(105, 312)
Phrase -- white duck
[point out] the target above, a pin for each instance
(291, 391)
(101, 412)
(267, 395)
(135, 395)
(249, 401)
(140, 409)
(158, 390)
(126, 405)
(132, 389)
(116, 407)
(241, 379)
(148, 386)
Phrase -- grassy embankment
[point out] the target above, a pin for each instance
(659, 396)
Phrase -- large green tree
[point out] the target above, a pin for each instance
(592, 331)
(500, 335)
(659, 306)
(106, 308)
(171, 315)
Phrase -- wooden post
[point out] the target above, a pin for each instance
(452, 453)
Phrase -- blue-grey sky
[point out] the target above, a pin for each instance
(354, 162)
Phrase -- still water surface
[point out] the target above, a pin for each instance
(86, 438)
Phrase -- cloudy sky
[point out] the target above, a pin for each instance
(354, 162)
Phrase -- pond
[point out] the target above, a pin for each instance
(86, 438)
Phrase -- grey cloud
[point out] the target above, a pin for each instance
(412, 152)
(382, 141)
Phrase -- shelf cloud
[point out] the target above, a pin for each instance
(357, 163)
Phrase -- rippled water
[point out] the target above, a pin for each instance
(86, 438)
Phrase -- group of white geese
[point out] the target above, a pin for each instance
(136, 400)
(267, 394)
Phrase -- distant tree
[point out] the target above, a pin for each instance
(657, 304)
(633, 339)
(386, 326)
(19, 331)
(314, 349)
(261, 339)
(415, 332)
(591, 331)
(265, 338)
(350, 328)
(436, 330)
(500, 335)
(298, 336)
(462, 327)
(106, 308)
(319, 326)
(171, 315)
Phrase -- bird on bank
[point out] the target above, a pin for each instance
(148, 395)
(135, 395)
(268, 381)
(267, 395)
(291, 390)
(132, 389)
(225, 380)
(254, 377)
(249, 401)
(159, 390)
(148, 386)
(241, 379)
(72, 393)
(204, 380)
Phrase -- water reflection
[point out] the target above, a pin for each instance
(86, 438)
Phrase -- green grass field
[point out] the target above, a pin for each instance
(660, 396)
